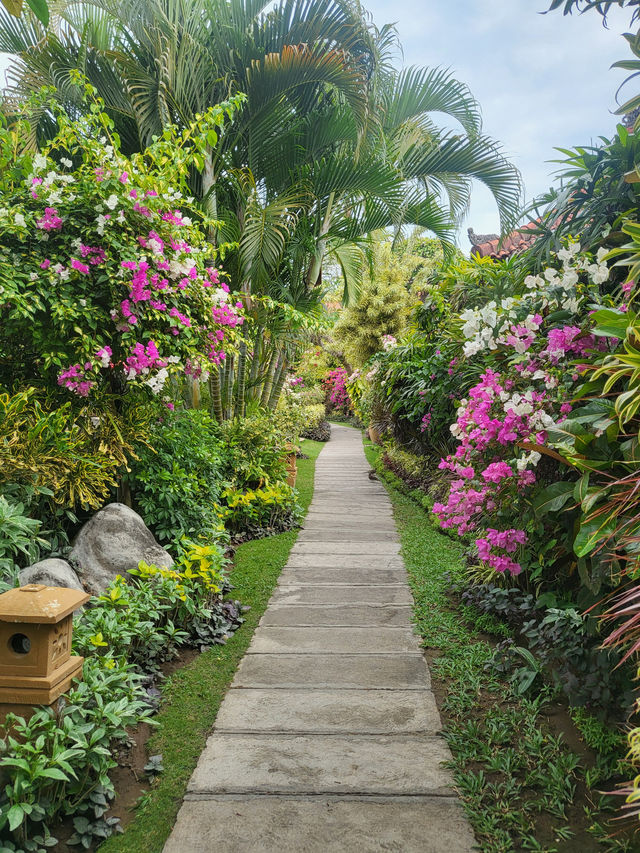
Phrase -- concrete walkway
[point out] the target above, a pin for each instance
(327, 741)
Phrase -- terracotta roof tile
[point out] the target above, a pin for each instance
(517, 241)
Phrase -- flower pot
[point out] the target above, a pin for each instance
(292, 470)
(374, 435)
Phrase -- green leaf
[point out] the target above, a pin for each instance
(590, 533)
(41, 10)
(15, 816)
(54, 773)
(553, 498)
(581, 488)
(612, 324)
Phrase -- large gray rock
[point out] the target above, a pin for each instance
(112, 543)
(51, 572)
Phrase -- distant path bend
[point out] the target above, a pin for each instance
(328, 740)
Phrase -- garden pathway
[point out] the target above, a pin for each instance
(328, 740)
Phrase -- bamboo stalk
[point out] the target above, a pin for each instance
(268, 380)
(216, 396)
(279, 382)
(255, 362)
(228, 394)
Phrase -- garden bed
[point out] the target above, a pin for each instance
(528, 777)
(193, 693)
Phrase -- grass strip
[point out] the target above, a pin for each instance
(194, 693)
(515, 775)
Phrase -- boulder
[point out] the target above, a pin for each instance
(112, 543)
(51, 572)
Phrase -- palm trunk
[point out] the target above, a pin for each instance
(255, 362)
(194, 393)
(278, 383)
(268, 380)
(316, 265)
(242, 376)
(228, 393)
(209, 191)
(216, 396)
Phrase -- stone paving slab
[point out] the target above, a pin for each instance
(319, 518)
(333, 640)
(350, 575)
(374, 533)
(402, 671)
(354, 561)
(302, 594)
(342, 616)
(322, 764)
(321, 825)
(379, 712)
(339, 548)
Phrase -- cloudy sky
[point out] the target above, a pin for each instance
(542, 80)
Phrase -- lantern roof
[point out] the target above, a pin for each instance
(40, 604)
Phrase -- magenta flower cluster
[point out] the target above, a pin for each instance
(50, 221)
(494, 416)
(502, 541)
(335, 384)
(571, 341)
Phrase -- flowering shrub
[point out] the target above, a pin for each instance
(503, 423)
(505, 372)
(419, 385)
(335, 384)
(106, 279)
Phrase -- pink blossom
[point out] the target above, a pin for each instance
(50, 221)
(142, 209)
(496, 471)
(79, 266)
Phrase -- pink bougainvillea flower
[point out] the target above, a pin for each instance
(79, 266)
(51, 221)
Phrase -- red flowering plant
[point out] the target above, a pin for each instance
(530, 347)
(106, 278)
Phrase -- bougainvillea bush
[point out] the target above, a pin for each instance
(335, 384)
(530, 347)
(106, 279)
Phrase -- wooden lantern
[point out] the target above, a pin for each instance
(36, 664)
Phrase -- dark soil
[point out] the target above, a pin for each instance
(129, 778)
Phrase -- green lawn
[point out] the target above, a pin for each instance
(194, 693)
